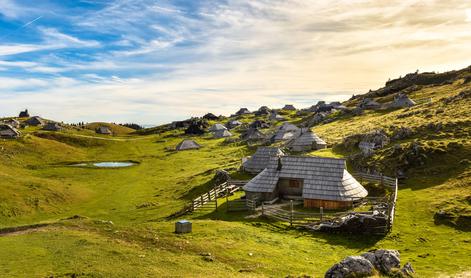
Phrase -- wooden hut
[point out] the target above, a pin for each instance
(223, 133)
(286, 132)
(264, 110)
(243, 111)
(104, 130)
(9, 132)
(35, 121)
(307, 141)
(253, 134)
(233, 124)
(210, 117)
(187, 145)
(52, 127)
(318, 181)
(11, 122)
(275, 116)
(368, 103)
(259, 161)
(401, 101)
(289, 107)
(217, 127)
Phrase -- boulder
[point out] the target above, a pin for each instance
(384, 260)
(353, 266)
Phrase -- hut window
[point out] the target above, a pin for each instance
(294, 183)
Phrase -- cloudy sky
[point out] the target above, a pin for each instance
(156, 61)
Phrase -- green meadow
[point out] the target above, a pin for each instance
(113, 222)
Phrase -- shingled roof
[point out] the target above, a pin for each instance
(222, 133)
(7, 131)
(261, 158)
(217, 127)
(307, 141)
(324, 178)
(187, 145)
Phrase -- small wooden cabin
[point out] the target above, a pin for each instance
(9, 132)
(259, 161)
(187, 145)
(318, 181)
(307, 141)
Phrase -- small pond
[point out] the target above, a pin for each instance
(106, 164)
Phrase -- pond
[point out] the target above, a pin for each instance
(106, 164)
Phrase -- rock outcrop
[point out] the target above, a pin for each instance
(386, 262)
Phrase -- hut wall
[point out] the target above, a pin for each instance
(320, 146)
(327, 204)
(261, 196)
(292, 187)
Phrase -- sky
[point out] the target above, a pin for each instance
(152, 62)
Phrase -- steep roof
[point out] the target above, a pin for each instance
(261, 158)
(7, 131)
(222, 133)
(287, 131)
(253, 134)
(402, 100)
(324, 178)
(217, 127)
(187, 145)
(275, 116)
(307, 139)
(103, 130)
(289, 107)
(243, 111)
(233, 124)
(35, 121)
(12, 122)
(52, 127)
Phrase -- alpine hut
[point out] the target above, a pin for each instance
(104, 130)
(223, 133)
(253, 134)
(233, 124)
(52, 127)
(210, 117)
(217, 127)
(318, 181)
(289, 107)
(368, 103)
(259, 161)
(402, 100)
(259, 124)
(242, 111)
(287, 131)
(307, 141)
(187, 145)
(9, 132)
(275, 116)
(264, 110)
(35, 121)
(12, 122)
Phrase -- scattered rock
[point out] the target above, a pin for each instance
(386, 262)
(353, 266)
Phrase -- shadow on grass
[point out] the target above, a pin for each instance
(357, 241)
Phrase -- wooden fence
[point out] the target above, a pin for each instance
(241, 205)
(209, 200)
(295, 218)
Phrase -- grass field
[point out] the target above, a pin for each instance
(120, 227)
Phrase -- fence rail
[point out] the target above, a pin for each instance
(296, 218)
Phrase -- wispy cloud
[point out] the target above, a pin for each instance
(177, 59)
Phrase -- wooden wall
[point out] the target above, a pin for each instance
(326, 204)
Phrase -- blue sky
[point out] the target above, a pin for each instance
(157, 61)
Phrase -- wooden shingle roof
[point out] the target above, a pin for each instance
(324, 178)
(187, 145)
(261, 158)
(217, 127)
(222, 133)
(307, 139)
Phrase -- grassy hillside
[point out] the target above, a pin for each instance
(115, 129)
(112, 222)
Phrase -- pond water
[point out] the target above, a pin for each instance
(107, 164)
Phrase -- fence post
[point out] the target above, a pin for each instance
(227, 198)
(263, 211)
(192, 205)
(291, 213)
(322, 213)
(202, 200)
(216, 202)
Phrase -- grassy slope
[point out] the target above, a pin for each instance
(142, 243)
